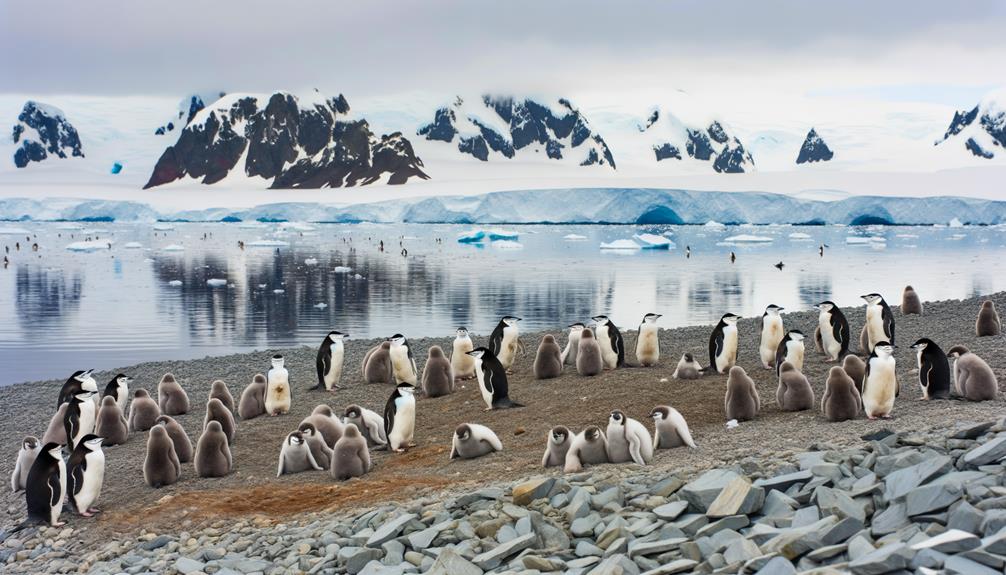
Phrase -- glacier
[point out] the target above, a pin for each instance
(644, 206)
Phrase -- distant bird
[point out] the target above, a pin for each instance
(820, 250)
(733, 257)
(241, 244)
(780, 265)
(688, 252)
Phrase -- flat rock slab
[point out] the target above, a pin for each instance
(952, 541)
(785, 481)
(676, 566)
(389, 530)
(528, 491)
(738, 497)
(655, 547)
(450, 563)
(703, 491)
(988, 452)
(900, 482)
(670, 511)
(931, 498)
(492, 558)
(890, 557)
(777, 566)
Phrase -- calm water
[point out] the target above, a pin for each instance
(63, 310)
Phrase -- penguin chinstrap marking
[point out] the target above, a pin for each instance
(171, 398)
(216, 411)
(218, 390)
(628, 440)
(973, 378)
(252, 402)
(403, 364)
(934, 369)
(492, 380)
(329, 427)
(548, 359)
(179, 438)
(723, 344)
(988, 323)
(213, 454)
(329, 361)
(351, 457)
(438, 376)
(26, 455)
(45, 487)
(569, 353)
(295, 455)
(504, 341)
(377, 364)
(742, 401)
(473, 440)
(771, 335)
(832, 334)
(791, 349)
(841, 400)
(589, 447)
(911, 304)
(688, 367)
(370, 424)
(79, 381)
(648, 341)
(321, 451)
(856, 369)
(880, 384)
(610, 340)
(143, 411)
(462, 364)
(670, 429)
(277, 395)
(400, 417)
(879, 321)
(589, 361)
(794, 392)
(80, 418)
(160, 466)
(118, 389)
(556, 445)
(86, 474)
(111, 423)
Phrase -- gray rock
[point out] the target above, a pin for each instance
(549, 535)
(964, 566)
(670, 511)
(778, 504)
(529, 491)
(506, 534)
(890, 557)
(965, 517)
(186, 565)
(356, 558)
(450, 563)
(737, 497)
(858, 547)
(741, 550)
(988, 452)
(676, 566)
(637, 548)
(691, 523)
(492, 558)
(777, 566)
(995, 520)
(805, 516)
(420, 540)
(155, 543)
(734, 522)
(890, 520)
(822, 554)
(900, 482)
(842, 531)
(389, 530)
(952, 541)
(615, 565)
(931, 498)
(784, 482)
(584, 526)
(701, 492)
(995, 543)
(837, 502)
(972, 430)
(535, 563)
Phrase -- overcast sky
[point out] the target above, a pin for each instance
(916, 50)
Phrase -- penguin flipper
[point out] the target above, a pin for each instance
(54, 490)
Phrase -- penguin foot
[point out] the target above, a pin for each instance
(94, 510)
(86, 514)
(314, 387)
(58, 524)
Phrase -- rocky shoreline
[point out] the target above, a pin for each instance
(421, 512)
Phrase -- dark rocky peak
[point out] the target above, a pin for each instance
(814, 149)
(41, 132)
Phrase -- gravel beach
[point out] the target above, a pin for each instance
(252, 495)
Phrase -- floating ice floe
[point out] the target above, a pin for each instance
(499, 235)
(621, 245)
(216, 282)
(70, 226)
(865, 240)
(279, 291)
(908, 236)
(714, 224)
(957, 237)
(358, 277)
(748, 238)
(342, 269)
(163, 227)
(471, 237)
(14, 232)
(91, 246)
(93, 231)
(574, 238)
(653, 242)
(296, 226)
(175, 283)
(250, 225)
(507, 245)
(132, 245)
(173, 248)
(267, 244)
(956, 223)
(263, 286)
(310, 262)
(321, 305)
(799, 236)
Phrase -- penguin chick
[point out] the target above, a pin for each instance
(111, 424)
(742, 402)
(438, 379)
(670, 429)
(974, 379)
(160, 466)
(213, 454)
(588, 357)
(688, 367)
(841, 400)
(855, 368)
(472, 440)
(556, 446)
(988, 320)
(910, 302)
(216, 411)
(183, 444)
(252, 403)
(219, 391)
(628, 440)
(548, 360)
(587, 448)
(295, 456)
(351, 458)
(171, 398)
(143, 411)
(794, 392)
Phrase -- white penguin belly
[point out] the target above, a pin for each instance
(875, 325)
(832, 347)
(771, 335)
(881, 387)
(572, 347)
(55, 510)
(122, 396)
(334, 375)
(402, 366)
(508, 347)
(725, 360)
(794, 354)
(277, 398)
(405, 423)
(93, 480)
(86, 420)
(648, 347)
(608, 354)
(462, 364)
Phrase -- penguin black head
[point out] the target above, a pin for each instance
(660, 413)
(826, 305)
(397, 339)
(592, 433)
(795, 335)
(617, 417)
(30, 443)
(689, 357)
(54, 449)
(122, 379)
(295, 438)
(922, 344)
(576, 326)
(406, 388)
(463, 432)
(873, 298)
(307, 428)
(651, 317)
(337, 336)
(772, 308)
(883, 349)
(729, 318)
(479, 352)
(559, 433)
(82, 376)
(462, 331)
(277, 360)
(510, 320)
(353, 411)
(84, 395)
(600, 319)
(92, 441)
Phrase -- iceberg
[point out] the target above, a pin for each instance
(498, 235)
(279, 291)
(321, 305)
(267, 244)
(163, 227)
(296, 226)
(173, 248)
(507, 245)
(748, 238)
(14, 232)
(216, 282)
(714, 224)
(798, 236)
(472, 237)
(133, 245)
(310, 262)
(621, 245)
(342, 269)
(653, 242)
(88, 246)
(574, 238)
(175, 283)
(956, 223)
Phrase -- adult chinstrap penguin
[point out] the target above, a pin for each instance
(403, 363)
(610, 340)
(45, 488)
(462, 364)
(723, 344)
(329, 361)
(880, 383)
(771, 335)
(400, 417)
(648, 341)
(504, 341)
(86, 475)
(79, 381)
(791, 349)
(934, 369)
(832, 334)
(492, 379)
(879, 321)
(569, 352)
(277, 394)
(118, 390)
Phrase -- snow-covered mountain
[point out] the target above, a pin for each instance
(981, 130)
(507, 127)
(814, 149)
(188, 107)
(582, 205)
(285, 141)
(42, 131)
(680, 131)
